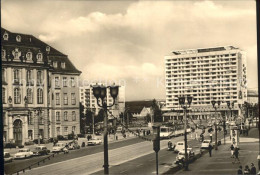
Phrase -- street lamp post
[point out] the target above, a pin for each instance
(38, 111)
(213, 102)
(230, 107)
(100, 92)
(185, 106)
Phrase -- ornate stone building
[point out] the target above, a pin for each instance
(31, 71)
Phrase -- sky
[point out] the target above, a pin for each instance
(126, 41)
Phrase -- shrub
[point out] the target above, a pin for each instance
(10, 145)
(36, 141)
(81, 135)
(70, 136)
(60, 137)
(29, 143)
(20, 146)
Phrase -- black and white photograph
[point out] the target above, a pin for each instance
(130, 87)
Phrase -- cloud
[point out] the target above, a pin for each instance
(129, 41)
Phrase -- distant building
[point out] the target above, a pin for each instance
(89, 101)
(33, 106)
(140, 109)
(252, 96)
(206, 74)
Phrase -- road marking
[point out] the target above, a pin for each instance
(123, 172)
(139, 165)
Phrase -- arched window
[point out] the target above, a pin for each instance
(39, 96)
(39, 77)
(17, 96)
(39, 56)
(18, 38)
(65, 116)
(16, 76)
(29, 76)
(3, 75)
(5, 36)
(3, 53)
(29, 96)
(29, 55)
(3, 96)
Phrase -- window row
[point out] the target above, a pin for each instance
(17, 96)
(65, 129)
(28, 56)
(65, 98)
(65, 115)
(65, 82)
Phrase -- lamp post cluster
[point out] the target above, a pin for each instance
(185, 106)
(213, 102)
(100, 93)
(230, 107)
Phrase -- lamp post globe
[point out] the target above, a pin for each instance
(189, 99)
(113, 91)
(96, 91)
(103, 92)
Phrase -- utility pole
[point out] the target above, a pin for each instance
(106, 170)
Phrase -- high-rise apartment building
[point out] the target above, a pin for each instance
(206, 74)
(89, 101)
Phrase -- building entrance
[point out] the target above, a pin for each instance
(18, 132)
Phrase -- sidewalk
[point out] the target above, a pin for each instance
(221, 162)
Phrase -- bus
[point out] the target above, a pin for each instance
(166, 132)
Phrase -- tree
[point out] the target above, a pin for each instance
(148, 118)
(82, 119)
(100, 116)
(157, 113)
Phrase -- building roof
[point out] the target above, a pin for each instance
(137, 106)
(252, 93)
(29, 43)
(201, 50)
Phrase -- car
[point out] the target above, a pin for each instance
(74, 145)
(7, 157)
(190, 152)
(181, 156)
(60, 147)
(40, 150)
(23, 153)
(94, 141)
(180, 146)
(205, 144)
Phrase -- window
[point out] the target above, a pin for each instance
(58, 130)
(63, 65)
(5, 36)
(65, 82)
(3, 53)
(39, 56)
(73, 116)
(48, 48)
(16, 76)
(39, 96)
(73, 99)
(72, 82)
(3, 75)
(3, 96)
(73, 128)
(29, 77)
(17, 96)
(39, 77)
(65, 129)
(57, 82)
(29, 55)
(65, 116)
(65, 98)
(16, 54)
(57, 116)
(18, 38)
(55, 64)
(57, 98)
(29, 96)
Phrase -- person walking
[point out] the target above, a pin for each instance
(240, 171)
(236, 155)
(210, 149)
(210, 135)
(232, 150)
(253, 169)
(246, 170)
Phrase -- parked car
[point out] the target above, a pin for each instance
(7, 157)
(205, 144)
(60, 147)
(190, 152)
(40, 150)
(94, 141)
(23, 153)
(181, 157)
(74, 145)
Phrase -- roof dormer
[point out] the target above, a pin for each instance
(63, 65)
(55, 64)
(18, 38)
(5, 36)
(39, 56)
(48, 48)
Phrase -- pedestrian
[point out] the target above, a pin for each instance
(232, 150)
(236, 155)
(196, 136)
(253, 169)
(210, 149)
(246, 170)
(88, 137)
(210, 135)
(240, 171)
